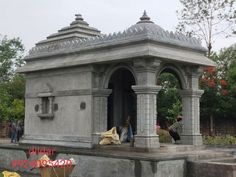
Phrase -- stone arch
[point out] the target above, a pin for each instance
(114, 68)
(122, 101)
(176, 71)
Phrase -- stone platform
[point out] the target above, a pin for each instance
(119, 161)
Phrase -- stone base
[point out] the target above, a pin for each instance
(99, 165)
(225, 167)
(147, 142)
(96, 137)
(118, 163)
(192, 139)
(57, 140)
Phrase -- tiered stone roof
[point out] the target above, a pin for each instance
(78, 29)
(79, 36)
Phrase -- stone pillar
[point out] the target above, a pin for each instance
(146, 137)
(191, 107)
(146, 90)
(99, 124)
(191, 117)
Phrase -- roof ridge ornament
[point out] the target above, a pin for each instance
(145, 18)
(79, 20)
(79, 17)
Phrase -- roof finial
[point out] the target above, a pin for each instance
(145, 18)
(79, 20)
(79, 17)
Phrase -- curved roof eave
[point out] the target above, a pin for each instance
(118, 53)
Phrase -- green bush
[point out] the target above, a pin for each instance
(164, 136)
(219, 140)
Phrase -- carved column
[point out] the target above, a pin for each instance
(146, 116)
(191, 108)
(99, 125)
(191, 117)
(146, 90)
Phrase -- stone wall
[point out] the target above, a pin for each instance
(70, 94)
(211, 169)
(102, 166)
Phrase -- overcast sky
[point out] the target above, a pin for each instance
(34, 20)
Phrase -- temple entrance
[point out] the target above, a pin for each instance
(122, 100)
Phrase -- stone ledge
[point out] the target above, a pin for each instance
(191, 93)
(55, 140)
(148, 143)
(192, 139)
(146, 89)
(64, 93)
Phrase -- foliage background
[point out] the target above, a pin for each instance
(12, 85)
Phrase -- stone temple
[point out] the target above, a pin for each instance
(80, 82)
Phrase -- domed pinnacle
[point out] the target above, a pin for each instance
(79, 20)
(79, 17)
(145, 18)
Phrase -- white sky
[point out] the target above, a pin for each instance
(34, 20)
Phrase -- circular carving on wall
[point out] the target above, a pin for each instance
(82, 105)
(36, 108)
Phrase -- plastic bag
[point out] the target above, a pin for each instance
(110, 137)
(10, 174)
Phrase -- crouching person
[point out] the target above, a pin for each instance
(175, 129)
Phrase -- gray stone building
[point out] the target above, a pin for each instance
(80, 83)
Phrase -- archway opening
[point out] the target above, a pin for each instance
(122, 100)
(169, 103)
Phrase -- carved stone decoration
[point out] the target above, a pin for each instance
(36, 108)
(146, 69)
(82, 106)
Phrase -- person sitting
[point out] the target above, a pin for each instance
(175, 129)
(126, 133)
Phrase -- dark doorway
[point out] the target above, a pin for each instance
(122, 100)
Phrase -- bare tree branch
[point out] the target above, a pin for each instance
(206, 18)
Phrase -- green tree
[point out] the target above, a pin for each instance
(206, 19)
(231, 78)
(12, 85)
(168, 99)
(227, 74)
(11, 52)
(219, 83)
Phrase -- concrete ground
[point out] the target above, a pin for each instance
(7, 141)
